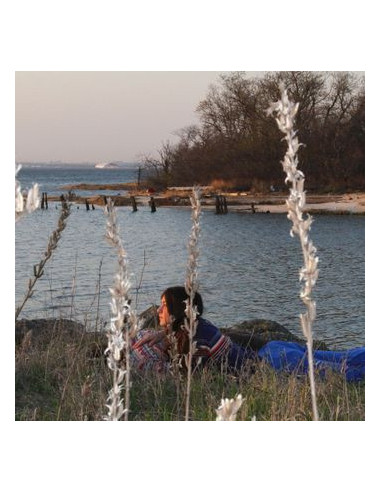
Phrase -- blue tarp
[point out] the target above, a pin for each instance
(292, 357)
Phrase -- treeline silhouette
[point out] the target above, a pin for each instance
(237, 145)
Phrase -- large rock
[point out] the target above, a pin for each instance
(45, 328)
(257, 332)
(253, 333)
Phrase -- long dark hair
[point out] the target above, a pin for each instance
(175, 298)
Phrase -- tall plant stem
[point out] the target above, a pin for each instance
(52, 245)
(191, 285)
(123, 324)
(286, 112)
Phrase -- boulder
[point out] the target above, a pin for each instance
(44, 328)
(257, 332)
(253, 333)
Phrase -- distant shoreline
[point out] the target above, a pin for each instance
(346, 203)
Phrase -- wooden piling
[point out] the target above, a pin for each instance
(87, 205)
(152, 204)
(43, 201)
(46, 201)
(218, 205)
(221, 205)
(134, 206)
(224, 205)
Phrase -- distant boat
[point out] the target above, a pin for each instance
(107, 165)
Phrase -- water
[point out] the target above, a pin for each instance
(51, 178)
(248, 267)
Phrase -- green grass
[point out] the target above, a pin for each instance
(66, 378)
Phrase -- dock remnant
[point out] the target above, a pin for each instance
(44, 200)
(134, 205)
(221, 205)
(152, 204)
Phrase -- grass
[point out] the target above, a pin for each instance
(65, 377)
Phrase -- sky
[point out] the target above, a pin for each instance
(104, 116)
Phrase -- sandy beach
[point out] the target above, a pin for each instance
(351, 203)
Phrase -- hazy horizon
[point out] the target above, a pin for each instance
(87, 117)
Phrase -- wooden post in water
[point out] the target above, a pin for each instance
(46, 201)
(139, 176)
(253, 207)
(152, 204)
(92, 206)
(221, 205)
(224, 205)
(218, 208)
(134, 206)
(43, 201)
(87, 205)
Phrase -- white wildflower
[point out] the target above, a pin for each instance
(229, 408)
(32, 200)
(286, 112)
(123, 324)
(191, 287)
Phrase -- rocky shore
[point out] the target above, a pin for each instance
(253, 333)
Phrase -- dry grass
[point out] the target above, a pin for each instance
(64, 376)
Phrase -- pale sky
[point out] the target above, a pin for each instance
(104, 116)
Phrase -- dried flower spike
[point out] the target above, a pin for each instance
(229, 408)
(286, 111)
(123, 324)
(32, 201)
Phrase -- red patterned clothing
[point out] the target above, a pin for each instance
(211, 347)
(147, 357)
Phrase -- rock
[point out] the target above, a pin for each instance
(45, 328)
(253, 333)
(257, 332)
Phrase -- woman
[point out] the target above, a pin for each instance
(211, 345)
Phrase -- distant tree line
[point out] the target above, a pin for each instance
(238, 145)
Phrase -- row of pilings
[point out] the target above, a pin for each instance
(221, 206)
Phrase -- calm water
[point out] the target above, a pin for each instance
(52, 178)
(248, 268)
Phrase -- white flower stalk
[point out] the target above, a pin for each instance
(191, 287)
(123, 323)
(286, 111)
(229, 408)
(32, 200)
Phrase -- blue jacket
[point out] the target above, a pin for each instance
(212, 345)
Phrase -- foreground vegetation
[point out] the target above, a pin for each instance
(64, 376)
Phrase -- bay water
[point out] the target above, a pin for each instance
(249, 263)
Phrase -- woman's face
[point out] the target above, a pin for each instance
(164, 316)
